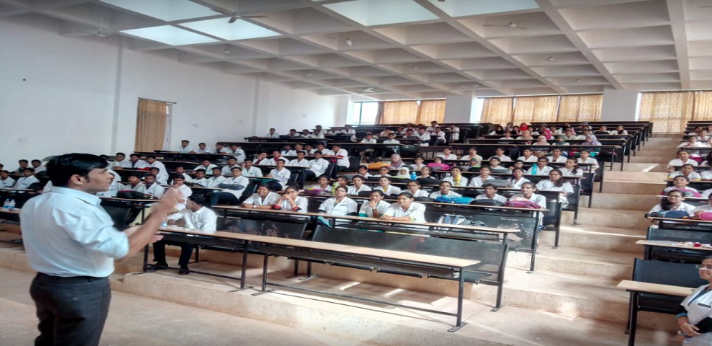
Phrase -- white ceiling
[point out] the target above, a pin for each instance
(394, 49)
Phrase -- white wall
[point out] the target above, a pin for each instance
(80, 94)
(619, 105)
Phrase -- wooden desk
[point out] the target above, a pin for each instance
(637, 286)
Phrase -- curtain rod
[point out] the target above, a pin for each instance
(171, 102)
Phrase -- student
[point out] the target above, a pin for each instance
(119, 161)
(706, 175)
(517, 178)
(23, 164)
(432, 127)
(227, 170)
(507, 135)
(703, 208)
(472, 156)
(527, 156)
(250, 171)
(526, 135)
(556, 156)
(425, 173)
(375, 207)
(287, 151)
(159, 179)
(456, 179)
(438, 137)
(280, 173)
(418, 165)
(237, 152)
(681, 183)
(136, 163)
(262, 159)
(444, 191)
(221, 149)
(586, 158)
(183, 191)
(342, 163)
(688, 171)
(499, 153)
(291, 201)
(203, 149)
(5, 180)
(195, 216)
(232, 188)
(448, 155)
(306, 134)
(391, 139)
(134, 184)
(324, 151)
(674, 201)
(300, 161)
(454, 133)
(206, 166)
(185, 147)
(262, 199)
(528, 194)
(556, 183)
(496, 167)
(347, 130)
(316, 168)
(317, 134)
(499, 130)
(382, 172)
(384, 184)
(396, 162)
(424, 137)
(570, 169)
(540, 168)
(358, 185)
(340, 205)
(37, 165)
(491, 194)
(369, 139)
(363, 171)
(414, 189)
(561, 140)
(153, 189)
(340, 181)
(683, 158)
(293, 133)
(322, 183)
(276, 156)
(272, 133)
(180, 170)
(200, 178)
(480, 179)
(217, 178)
(620, 130)
(28, 178)
(162, 174)
(405, 210)
(517, 164)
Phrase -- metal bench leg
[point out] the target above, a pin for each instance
(309, 272)
(145, 258)
(632, 319)
(264, 276)
(243, 270)
(460, 295)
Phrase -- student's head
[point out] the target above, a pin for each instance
(447, 151)
(556, 152)
(369, 135)
(292, 191)
(485, 171)
(620, 128)
(119, 157)
(421, 130)
(149, 179)
(341, 191)
(84, 172)
(305, 132)
(438, 159)
(383, 170)
(178, 180)
(320, 147)
(336, 148)
(680, 182)
(437, 129)
(413, 186)
(527, 152)
(4, 174)
(377, 196)
(518, 164)
(195, 202)
(263, 190)
(262, 155)
(36, 163)
(301, 155)
(405, 199)
(298, 147)
(358, 180)
(542, 161)
(276, 154)
(683, 155)
(200, 173)
(133, 179)
(323, 179)
(272, 130)
(687, 168)
(395, 158)
(236, 171)
(218, 147)
(691, 139)
(490, 190)
(425, 171)
(392, 135)
(292, 132)
(528, 189)
(150, 159)
(494, 162)
(499, 151)
(342, 180)
(555, 175)
(279, 163)
(674, 197)
(570, 163)
(307, 147)
(287, 147)
(205, 162)
(541, 139)
(434, 123)
(230, 162)
(384, 181)
(362, 170)
(517, 173)
(317, 154)
(180, 169)
(456, 171)
(419, 159)
(216, 171)
(184, 143)
(202, 146)
(445, 187)
(133, 158)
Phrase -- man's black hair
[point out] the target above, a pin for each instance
(61, 168)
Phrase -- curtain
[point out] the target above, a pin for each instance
(535, 109)
(431, 110)
(150, 125)
(668, 110)
(580, 108)
(399, 112)
(498, 110)
(703, 106)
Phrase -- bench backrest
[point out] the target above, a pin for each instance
(292, 229)
(667, 273)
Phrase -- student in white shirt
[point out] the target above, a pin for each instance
(291, 201)
(262, 159)
(185, 191)
(200, 179)
(375, 207)
(293, 133)
(317, 134)
(288, 151)
(418, 165)
(203, 149)
(674, 201)
(527, 156)
(556, 156)
(37, 165)
(405, 210)
(216, 179)
(687, 171)
(276, 156)
(571, 169)
(324, 151)
(358, 186)
(232, 188)
(339, 205)
(120, 161)
(472, 156)
(221, 149)
(262, 199)
(384, 184)
(480, 179)
(272, 133)
(206, 166)
(414, 189)
(432, 127)
(153, 189)
(5, 179)
(556, 183)
(237, 153)
(383, 172)
(620, 130)
(317, 167)
(160, 180)
(342, 163)
(369, 139)
(448, 155)
(185, 147)
(499, 153)
(391, 139)
(347, 130)
(134, 184)
(517, 178)
(180, 170)
(454, 133)
(300, 161)
(424, 137)
(280, 173)
(683, 158)
(540, 168)
(456, 178)
(444, 191)
(439, 136)
(162, 174)
(496, 167)
(28, 178)
(25, 164)
(227, 169)
(250, 171)
(136, 163)
(586, 158)
(195, 216)
(491, 194)
(528, 194)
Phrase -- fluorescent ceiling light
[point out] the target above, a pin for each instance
(380, 12)
(169, 35)
(168, 10)
(239, 30)
(462, 8)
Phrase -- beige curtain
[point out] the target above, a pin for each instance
(399, 112)
(498, 110)
(150, 125)
(668, 110)
(703, 106)
(431, 110)
(535, 109)
(580, 108)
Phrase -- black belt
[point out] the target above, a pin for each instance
(71, 279)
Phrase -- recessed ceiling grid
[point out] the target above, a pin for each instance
(412, 48)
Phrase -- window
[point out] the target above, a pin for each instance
(364, 113)
(501, 110)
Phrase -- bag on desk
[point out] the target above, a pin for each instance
(522, 204)
(130, 194)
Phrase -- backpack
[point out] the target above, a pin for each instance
(491, 202)
(522, 204)
(456, 200)
(453, 219)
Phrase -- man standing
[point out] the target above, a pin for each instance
(72, 244)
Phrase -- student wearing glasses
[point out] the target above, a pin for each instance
(414, 189)
(292, 201)
(376, 206)
(556, 183)
(694, 313)
(673, 202)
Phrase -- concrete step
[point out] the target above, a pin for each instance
(638, 167)
(654, 152)
(638, 177)
(595, 238)
(571, 260)
(614, 218)
(662, 159)
(642, 202)
(624, 187)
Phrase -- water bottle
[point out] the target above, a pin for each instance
(535, 169)
(413, 176)
(5, 205)
(11, 205)
(164, 223)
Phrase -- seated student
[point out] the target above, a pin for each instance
(375, 207)
(185, 191)
(280, 173)
(681, 183)
(342, 163)
(425, 174)
(586, 158)
(5, 180)
(203, 149)
(499, 153)
(134, 184)
(287, 151)
(152, 189)
(358, 185)
(418, 165)
(491, 194)
(305, 134)
(571, 169)
(120, 161)
(673, 202)
(688, 171)
(517, 164)
(456, 178)
(683, 158)
(293, 133)
(414, 189)
(200, 178)
(324, 151)
(620, 130)
(556, 156)
(438, 137)
(363, 171)
(300, 161)
(424, 137)
(276, 156)
(180, 170)
(432, 127)
(262, 159)
(391, 139)
(221, 149)
(692, 142)
(37, 165)
(317, 167)
(517, 178)
(472, 156)
(706, 175)
(702, 209)
(185, 147)
(384, 184)
(162, 174)
(526, 135)
(507, 135)
(339, 205)
(499, 130)
(540, 168)
(136, 163)
(396, 162)
(496, 167)
(227, 169)
(707, 160)
(237, 153)
(438, 165)
(23, 165)
(405, 210)
(527, 156)
(206, 166)
(603, 130)
(262, 199)
(382, 172)
(528, 194)
(28, 178)
(341, 180)
(291, 201)
(444, 191)
(454, 133)
(703, 137)
(570, 135)
(195, 216)
(161, 180)
(308, 148)
(368, 139)
(479, 180)
(448, 155)
(272, 133)
(250, 171)
(557, 183)
(323, 186)
(232, 188)
(217, 178)
(561, 140)
(318, 134)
